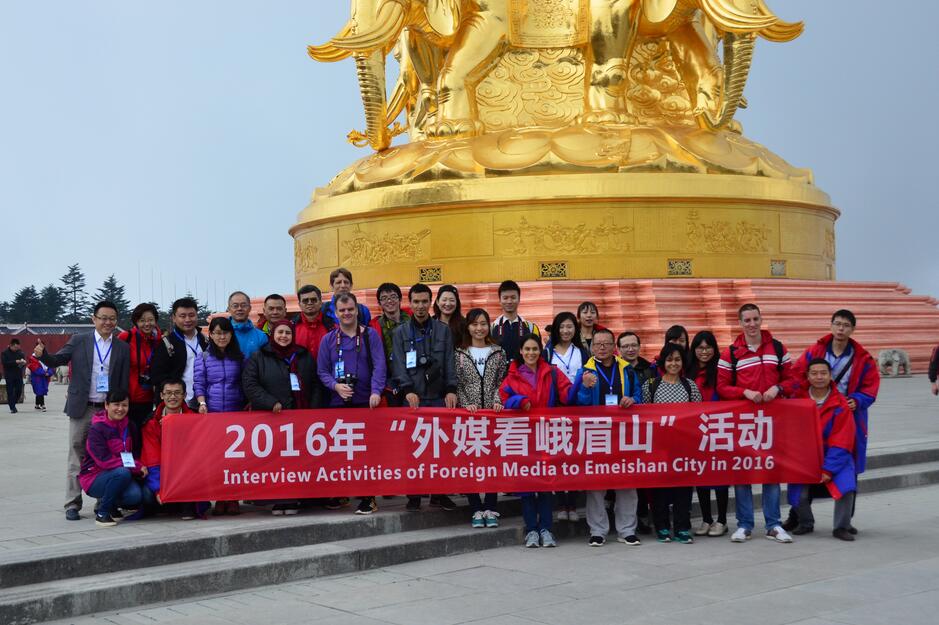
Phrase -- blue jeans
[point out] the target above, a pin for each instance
(478, 505)
(743, 496)
(536, 510)
(116, 488)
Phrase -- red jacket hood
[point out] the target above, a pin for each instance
(826, 340)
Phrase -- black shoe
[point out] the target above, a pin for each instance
(852, 530)
(632, 540)
(792, 522)
(72, 515)
(442, 501)
(334, 503)
(105, 520)
(188, 512)
(843, 533)
(414, 504)
(367, 506)
(13, 410)
(642, 528)
(117, 515)
(802, 529)
(596, 541)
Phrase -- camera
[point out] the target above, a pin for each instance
(423, 360)
(350, 379)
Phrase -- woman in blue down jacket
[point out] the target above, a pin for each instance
(216, 380)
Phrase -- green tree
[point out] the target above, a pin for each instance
(202, 312)
(51, 304)
(5, 311)
(76, 304)
(26, 306)
(113, 291)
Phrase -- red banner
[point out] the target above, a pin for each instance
(393, 451)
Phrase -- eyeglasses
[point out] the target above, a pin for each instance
(106, 319)
(386, 299)
(239, 306)
(607, 344)
(173, 393)
(220, 335)
(841, 324)
(309, 300)
(704, 347)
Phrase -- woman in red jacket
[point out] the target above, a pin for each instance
(142, 337)
(533, 383)
(704, 354)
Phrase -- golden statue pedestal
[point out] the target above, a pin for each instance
(571, 204)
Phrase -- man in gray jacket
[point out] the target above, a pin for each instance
(423, 369)
(422, 364)
(100, 363)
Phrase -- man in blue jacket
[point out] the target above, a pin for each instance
(607, 380)
(250, 339)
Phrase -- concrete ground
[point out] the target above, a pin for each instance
(890, 575)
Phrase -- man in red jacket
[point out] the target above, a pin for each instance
(756, 367)
(311, 324)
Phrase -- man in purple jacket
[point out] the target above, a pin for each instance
(351, 365)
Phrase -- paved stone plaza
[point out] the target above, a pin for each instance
(890, 575)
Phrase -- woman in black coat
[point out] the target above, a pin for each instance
(282, 375)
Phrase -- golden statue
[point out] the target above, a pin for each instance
(519, 111)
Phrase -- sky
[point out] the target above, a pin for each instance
(173, 143)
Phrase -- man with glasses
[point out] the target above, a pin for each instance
(606, 380)
(392, 316)
(99, 364)
(172, 395)
(854, 373)
(628, 346)
(175, 355)
(311, 324)
(250, 339)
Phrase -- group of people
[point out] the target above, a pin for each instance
(430, 353)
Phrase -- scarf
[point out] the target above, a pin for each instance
(289, 354)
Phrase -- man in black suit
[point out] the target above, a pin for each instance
(13, 363)
(100, 363)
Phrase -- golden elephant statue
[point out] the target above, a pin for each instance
(447, 46)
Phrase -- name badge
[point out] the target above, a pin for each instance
(410, 359)
(101, 383)
(127, 459)
(294, 382)
(340, 369)
(610, 399)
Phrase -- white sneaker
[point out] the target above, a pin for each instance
(572, 516)
(779, 535)
(532, 540)
(562, 515)
(702, 529)
(740, 536)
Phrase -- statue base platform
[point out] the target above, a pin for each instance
(569, 226)
(798, 312)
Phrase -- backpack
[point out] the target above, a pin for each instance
(654, 384)
(777, 346)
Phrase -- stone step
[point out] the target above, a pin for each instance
(171, 582)
(209, 540)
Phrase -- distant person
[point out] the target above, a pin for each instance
(756, 367)
(447, 309)
(509, 327)
(532, 383)
(176, 353)
(273, 310)
(13, 364)
(250, 338)
(217, 374)
(311, 323)
(934, 370)
(481, 366)
(142, 338)
(110, 470)
(39, 376)
(100, 365)
(340, 281)
(679, 335)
